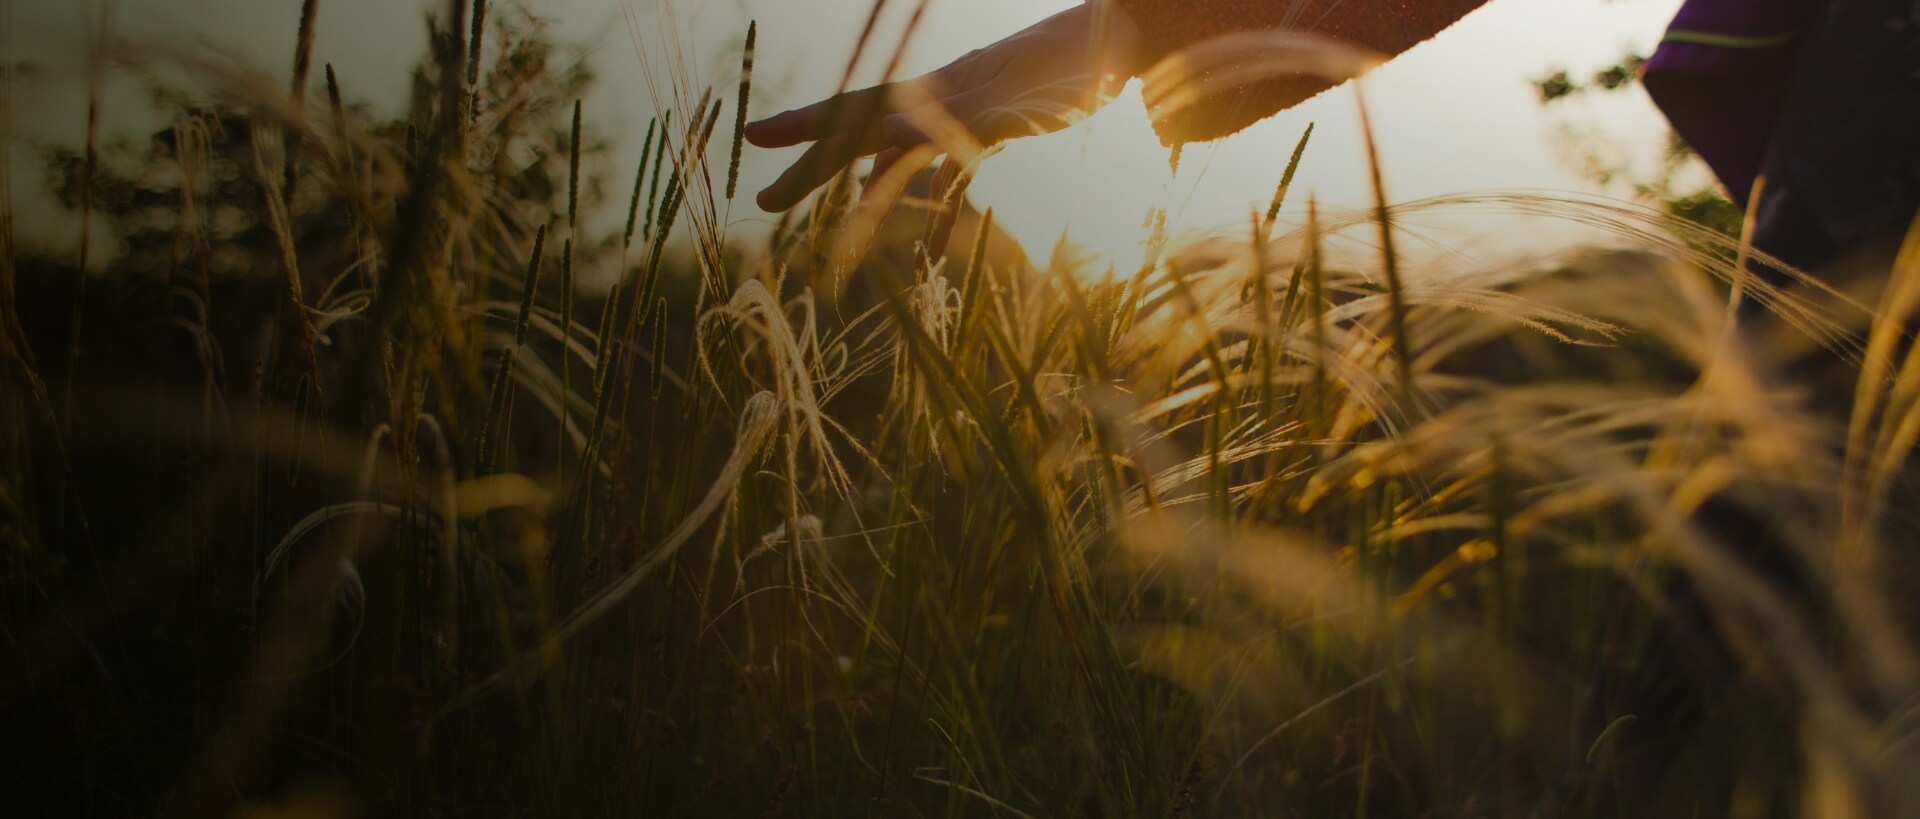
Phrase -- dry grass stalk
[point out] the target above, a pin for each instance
(1390, 266)
(659, 161)
(740, 108)
(282, 229)
(1286, 179)
(530, 286)
(639, 183)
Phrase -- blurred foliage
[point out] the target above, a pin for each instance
(1666, 186)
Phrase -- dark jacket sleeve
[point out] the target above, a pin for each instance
(1169, 26)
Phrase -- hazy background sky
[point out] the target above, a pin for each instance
(1457, 114)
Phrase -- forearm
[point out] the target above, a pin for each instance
(1389, 27)
(1386, 26)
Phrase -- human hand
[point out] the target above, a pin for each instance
(1037, 81)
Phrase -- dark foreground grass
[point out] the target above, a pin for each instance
(353, 500)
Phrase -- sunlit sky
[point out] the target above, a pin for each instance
(1455, 115)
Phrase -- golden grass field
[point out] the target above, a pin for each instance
(338, 493)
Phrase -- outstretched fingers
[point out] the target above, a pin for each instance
(846, 128)
(851, 111)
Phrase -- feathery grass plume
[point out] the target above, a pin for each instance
(1219, 416)
(476, 36)
(1883, 383)
(754, 311)
(639, 183)
(1881, 430)
(302, 63)
(706, 134)
(410, 234)
(1194, 312)
(740, 108)
(573, 174)
(1390, 264)
(192, 150)
(337, 108)
(1286, 179)
(659, 161)
(303, 47)
(529, 285)
(282, 231)
(669, 212)
(343, 135)
(694, 151)
(832, 208)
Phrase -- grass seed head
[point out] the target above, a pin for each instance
(573, 173)
(740, 108)
(639, 180)
(530, 286)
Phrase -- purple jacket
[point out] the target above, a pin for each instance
(1721, 76)
(1821, 97)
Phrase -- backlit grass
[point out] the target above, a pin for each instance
(356, 493)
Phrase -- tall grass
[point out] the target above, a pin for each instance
(1280, 524)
